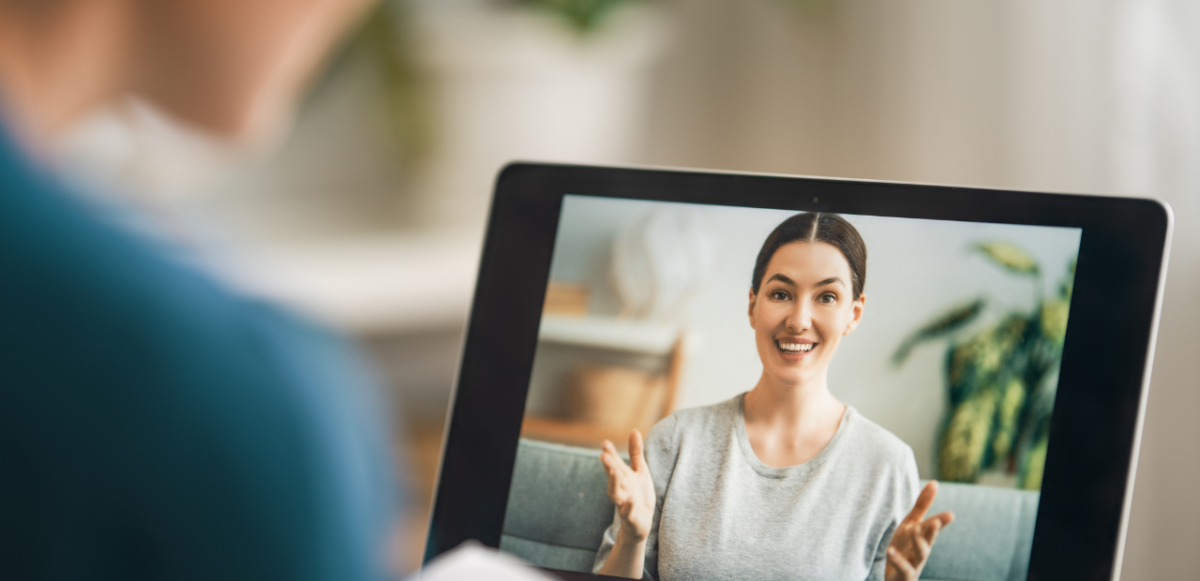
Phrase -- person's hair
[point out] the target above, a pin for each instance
(831, 229)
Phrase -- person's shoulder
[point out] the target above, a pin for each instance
(700, 413)
(876, 444)
(76, 252)
(705, 417)
(137, 321)
(701, 419)
(76, 257)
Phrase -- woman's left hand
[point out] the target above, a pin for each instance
(913, 540)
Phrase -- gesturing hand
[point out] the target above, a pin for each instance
(630, 488)
(913, 540)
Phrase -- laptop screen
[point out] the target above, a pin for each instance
(787, 384)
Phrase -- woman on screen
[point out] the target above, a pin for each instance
(782, 481)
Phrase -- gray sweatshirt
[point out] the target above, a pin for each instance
(723, 514)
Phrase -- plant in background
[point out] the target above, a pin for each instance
(1001, 378)
(383, 43)
(584, 16)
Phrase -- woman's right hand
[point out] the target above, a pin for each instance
(630, 488)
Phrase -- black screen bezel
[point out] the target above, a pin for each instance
(1097, 408)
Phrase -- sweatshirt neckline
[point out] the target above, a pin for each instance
(739, 420)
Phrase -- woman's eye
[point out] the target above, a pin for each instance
(828, 298)
(779, 296)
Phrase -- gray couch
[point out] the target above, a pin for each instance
(558, 511)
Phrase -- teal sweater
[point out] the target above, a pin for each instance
(155, 426)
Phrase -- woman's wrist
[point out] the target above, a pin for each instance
(627, 557)
(629, 538)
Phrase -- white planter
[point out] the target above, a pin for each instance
(513, 84)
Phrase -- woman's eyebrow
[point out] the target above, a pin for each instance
(780, 277)
(831, 280)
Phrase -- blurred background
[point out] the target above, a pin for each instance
(368, 213)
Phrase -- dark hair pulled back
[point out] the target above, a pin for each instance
(831, 229)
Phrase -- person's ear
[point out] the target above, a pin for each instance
(750, 309)
(856, 314)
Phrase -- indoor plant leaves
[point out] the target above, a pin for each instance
(1000, 383)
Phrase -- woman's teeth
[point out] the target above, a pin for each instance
(800, 347)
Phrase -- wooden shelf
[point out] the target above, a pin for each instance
(574, 433)
(639, 336)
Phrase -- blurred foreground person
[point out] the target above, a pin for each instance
(153, 425)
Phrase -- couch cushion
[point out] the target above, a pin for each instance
(558, 510)
(991, 535)
(558, 507)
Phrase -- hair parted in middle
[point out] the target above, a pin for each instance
(813, 227)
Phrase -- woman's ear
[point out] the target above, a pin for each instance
(750, 309)
(856, 314)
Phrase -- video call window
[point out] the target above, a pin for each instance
(938, 342)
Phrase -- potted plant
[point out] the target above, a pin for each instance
(1001, 378)
(556, 80)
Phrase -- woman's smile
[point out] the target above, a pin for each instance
(795, 349)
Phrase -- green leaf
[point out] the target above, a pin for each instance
(975, 363)
(1031, 454)
(1052, 318)
(584, 16)
(1033, 465)
(1009, 256)
(949, 322)
(1068, 283)
(1012, 402)
(964, 443)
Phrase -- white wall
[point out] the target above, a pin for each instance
(1064, 95)
(916, 269)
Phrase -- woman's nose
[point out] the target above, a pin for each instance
(801, 316)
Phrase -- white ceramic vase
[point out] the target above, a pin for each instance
(661, 260)
(514, 84)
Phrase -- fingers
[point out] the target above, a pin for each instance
(636, 460)
(907, 571)
(612, 464)
(609, 447)
(916, 537)
(924, 547)
(931, 528)
(611, 461)
(924, 501)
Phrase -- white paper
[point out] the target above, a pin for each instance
(472, 561)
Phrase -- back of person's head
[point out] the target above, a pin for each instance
(231, 67)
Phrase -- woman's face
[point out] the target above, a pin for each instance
(803, 308)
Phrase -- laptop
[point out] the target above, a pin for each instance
(685, 374)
